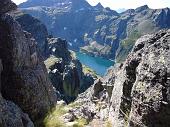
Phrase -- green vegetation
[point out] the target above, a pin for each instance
(101, 17)
(96, 48)
(87, 70)
(53, 119)
(131, 39)
(73, 54)
(80, 122)
(51, 61)
(74, 105)
(126, 46)
(111, 37)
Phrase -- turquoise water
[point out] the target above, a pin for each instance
(98, 64)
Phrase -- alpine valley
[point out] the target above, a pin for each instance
(96, 30)
(54, 55)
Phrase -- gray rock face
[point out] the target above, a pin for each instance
(58, 47)
(24, 79)
(6, 5)
(12, 116)
(140, 96)
(93, 104)
(35, 27)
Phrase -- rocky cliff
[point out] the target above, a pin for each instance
(140, 96)
(135, 93)
(96, 30)
(25, 86)
(35, 27)
(65, 71)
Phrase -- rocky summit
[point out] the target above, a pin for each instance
(96, 30)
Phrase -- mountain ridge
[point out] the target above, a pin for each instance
(113, 33)
(133, 93)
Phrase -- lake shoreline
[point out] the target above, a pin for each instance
(99, 64)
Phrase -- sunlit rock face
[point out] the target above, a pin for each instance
(140, 96)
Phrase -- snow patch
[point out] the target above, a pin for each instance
(54, 49)
(65, 28)
(70, 43)
(54, 71)
(75, 40)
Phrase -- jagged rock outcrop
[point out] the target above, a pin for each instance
(65, 71)
(135, 93)
(99, 6)
(24, 79)
(92, 105)
(62, 66)
(7, 5)
(59, 48)
(140, 96)
(106, 33)
(10, 114)
(35, 27)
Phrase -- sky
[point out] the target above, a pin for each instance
(126, 4)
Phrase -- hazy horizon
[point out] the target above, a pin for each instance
(121, 4)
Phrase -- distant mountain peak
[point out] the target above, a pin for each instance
(74, 4)
(141, 8)
(99, 6)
